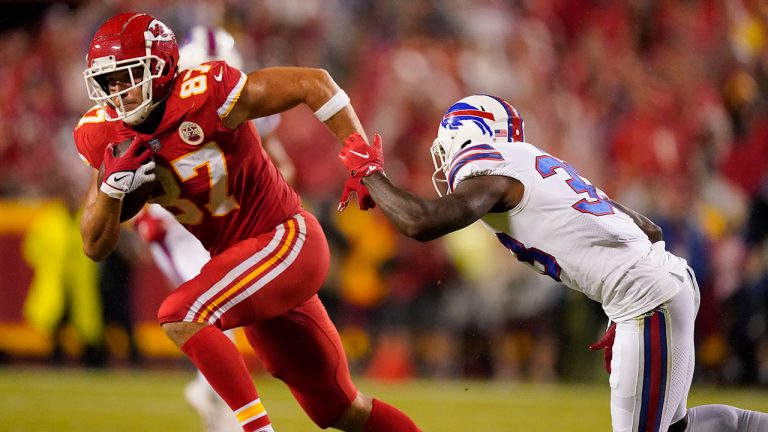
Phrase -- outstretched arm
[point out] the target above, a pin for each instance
(427, 219)
(417, 217)
(650, 229)
(273, 90)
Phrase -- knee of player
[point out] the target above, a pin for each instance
(180, 331)
(356, 415)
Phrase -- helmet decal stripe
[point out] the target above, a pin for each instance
(470, 112)
(510, 113)
(128, 21)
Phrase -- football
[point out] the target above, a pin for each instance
(132, 202)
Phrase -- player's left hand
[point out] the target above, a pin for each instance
(126, 172)
(606, 343)
(364, 199)
(360, 158)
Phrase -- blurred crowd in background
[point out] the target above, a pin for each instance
(663, 104)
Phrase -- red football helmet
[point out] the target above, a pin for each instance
(145, 48)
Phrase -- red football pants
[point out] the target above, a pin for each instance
(268, 285)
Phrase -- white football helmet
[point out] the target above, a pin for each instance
(204, 44)
(472, 120)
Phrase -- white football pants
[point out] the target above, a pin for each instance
(652, 369)
(653, 361)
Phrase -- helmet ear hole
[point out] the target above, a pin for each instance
(465, 143)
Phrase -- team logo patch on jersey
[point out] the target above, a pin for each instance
(461, 112)
(191, 133)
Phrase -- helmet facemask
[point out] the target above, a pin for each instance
(139, 70)
(439, 152)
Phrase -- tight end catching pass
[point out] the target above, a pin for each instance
(269, 256)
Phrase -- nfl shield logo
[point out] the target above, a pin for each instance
(155, 145)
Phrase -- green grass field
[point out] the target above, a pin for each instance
(65, 400)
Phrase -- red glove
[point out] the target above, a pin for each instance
(360, 158)
(364, 199)
(125, 173)
(606, 343)
(152, 229)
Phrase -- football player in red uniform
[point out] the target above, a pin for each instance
(190, 135)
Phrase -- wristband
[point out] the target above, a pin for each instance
(112, 192)
(332, 106)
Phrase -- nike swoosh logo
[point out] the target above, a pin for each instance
(362, 155)
(118, 179)
(220, 74)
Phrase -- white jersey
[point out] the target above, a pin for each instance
(179, 255)
(566, 228)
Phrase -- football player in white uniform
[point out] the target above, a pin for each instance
(177, 253)
(556, 221)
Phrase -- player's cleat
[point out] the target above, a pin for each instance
(216, 415)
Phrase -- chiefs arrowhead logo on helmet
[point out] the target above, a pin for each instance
(159, 32)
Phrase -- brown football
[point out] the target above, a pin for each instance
(134, 201)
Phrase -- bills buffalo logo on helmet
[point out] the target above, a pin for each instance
(461, 112)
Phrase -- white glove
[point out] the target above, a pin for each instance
(124, 182)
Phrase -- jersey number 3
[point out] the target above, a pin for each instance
(598, 206)
(545, 263)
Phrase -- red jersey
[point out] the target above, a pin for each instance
(218, 182)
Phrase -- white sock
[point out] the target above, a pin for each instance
(724, 418)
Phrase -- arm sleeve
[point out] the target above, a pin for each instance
(225, 85)
(90, 137)
(481, 159)
(85, 151)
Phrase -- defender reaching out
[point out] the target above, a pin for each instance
(557, 222)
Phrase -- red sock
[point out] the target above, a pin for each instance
(386, 418)
(222, 365)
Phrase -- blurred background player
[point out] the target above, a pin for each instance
(176, 252)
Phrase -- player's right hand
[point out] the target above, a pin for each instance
(360, 158)
(126, 173)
